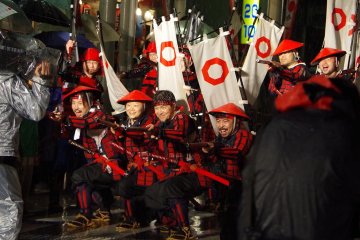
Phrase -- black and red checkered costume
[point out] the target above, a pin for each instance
(180, 186)
(230, 155)
(232, 150)
(149, 83)
(91, 182)
(132, 187)
(282, 80)
(172, 135)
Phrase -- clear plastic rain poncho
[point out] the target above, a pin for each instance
(20, 57)
(20, 54)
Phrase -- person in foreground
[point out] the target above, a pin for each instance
(23, 75)
(302, 179)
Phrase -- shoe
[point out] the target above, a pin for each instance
(80, 221)
(101, 216)
(165, 229)
(127, 225)
(183, 233)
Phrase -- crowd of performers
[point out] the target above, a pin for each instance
(158, 158)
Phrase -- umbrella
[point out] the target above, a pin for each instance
(42, 11)
(88, 28)
(12, 18)
(63, 5)
(89, 24)
(58, 40)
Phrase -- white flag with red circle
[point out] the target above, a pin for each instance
(114, 86)
(340, 26)
(214, 71)
(266, 40)
(170, 76)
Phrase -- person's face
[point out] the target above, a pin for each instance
(328, 65)
(287, 59)
(153, 57)
(224, 126)
(92, 66)
(79, 107)
(134, 109)
(164, 112)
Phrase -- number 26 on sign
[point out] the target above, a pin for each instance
(249, 11)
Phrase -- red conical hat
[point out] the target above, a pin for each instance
(151, 47)
(135, 96)
(79, 89)
(230, 109)
(91, 54)
(287, 45)
(327, 52)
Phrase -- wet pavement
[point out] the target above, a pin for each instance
(40, 223)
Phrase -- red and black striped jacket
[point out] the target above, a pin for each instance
(149, 83)
(282, 80)
(136, 141)
(172, 135)
(104, 147)
(231, 151)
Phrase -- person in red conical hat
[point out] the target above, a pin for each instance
(136, 108)
(149, 83)
(328, 60)
(289, 71)
(91, 67)
(151, 52)
(137, 143)
(92, 182)
(145, 72)
(91, 62)
(287, 45)
(229, 150)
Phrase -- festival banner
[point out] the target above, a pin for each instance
(169, 58)
(266, 40)
(340, 27)
(114, 86)
(215, 72)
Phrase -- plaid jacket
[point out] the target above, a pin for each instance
(232, 150)
(172, 135)
(282, 80)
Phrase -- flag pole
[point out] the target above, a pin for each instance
(352, 55)
(238, 76)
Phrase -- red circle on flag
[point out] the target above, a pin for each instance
(164, 45)
(342, 16)
(268, 45)
(206, 67)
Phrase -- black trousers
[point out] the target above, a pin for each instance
(184, 186)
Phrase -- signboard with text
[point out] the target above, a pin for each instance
(249, 12)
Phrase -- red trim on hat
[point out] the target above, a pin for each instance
(79, 89)
(287, 45)
(327, 52)
(135, 96)
(231, 109)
